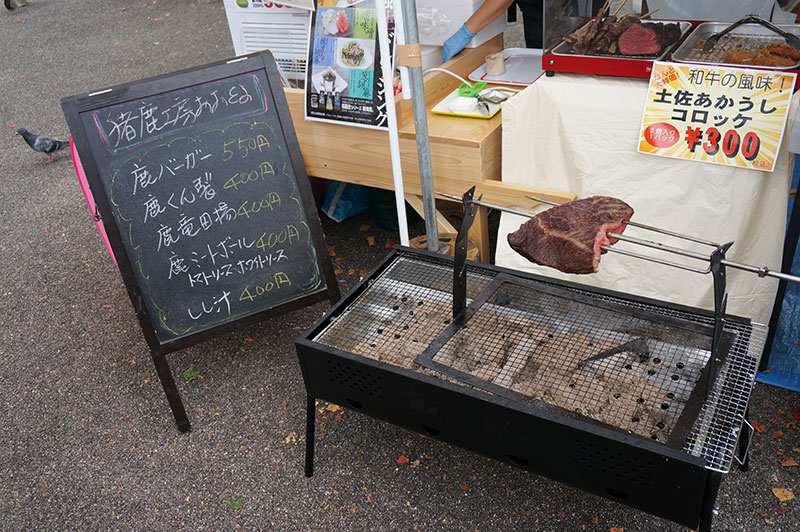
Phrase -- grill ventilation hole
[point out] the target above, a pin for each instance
(614, 464)
(355, 379)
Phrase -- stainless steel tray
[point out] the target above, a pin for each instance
(565, 48)
(746, 37)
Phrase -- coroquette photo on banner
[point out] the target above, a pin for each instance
(722, 115)
(343, 74)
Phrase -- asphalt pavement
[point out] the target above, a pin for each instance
(87, 440)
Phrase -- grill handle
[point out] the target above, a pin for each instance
(460, 253)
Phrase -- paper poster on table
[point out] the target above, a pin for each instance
(344, 83)
(721, 115)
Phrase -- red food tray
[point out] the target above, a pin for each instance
(553, 62)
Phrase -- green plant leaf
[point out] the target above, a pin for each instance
(235, 505)
(191, 373)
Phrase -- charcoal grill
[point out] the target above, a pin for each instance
(361, 355)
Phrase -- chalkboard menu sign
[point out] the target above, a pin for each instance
(200, 183)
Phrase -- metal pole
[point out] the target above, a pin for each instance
(409, 8)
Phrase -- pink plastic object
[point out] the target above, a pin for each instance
(87, 193)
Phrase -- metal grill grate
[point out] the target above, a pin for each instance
(370, 325)
(633, 370)
(401, 312)
(716, 430)
(727, 43)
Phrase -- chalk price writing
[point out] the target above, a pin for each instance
(255, 206)
(288, 234)
(280, 279)
(242, 178)
(730, 142)
(244, 146)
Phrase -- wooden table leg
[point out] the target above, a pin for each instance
(479, 233)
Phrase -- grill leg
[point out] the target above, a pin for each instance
(709, 498)
(310, 411)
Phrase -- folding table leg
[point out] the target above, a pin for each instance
(310, 413)
(171, 391)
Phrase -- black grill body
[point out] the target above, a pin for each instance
(648, 475)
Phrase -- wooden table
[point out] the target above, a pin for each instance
(464, 151)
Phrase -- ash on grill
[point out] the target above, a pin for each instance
(626, 369)
(400, 315)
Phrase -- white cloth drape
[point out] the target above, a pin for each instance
(579, 133)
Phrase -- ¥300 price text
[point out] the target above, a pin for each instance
(729, 143)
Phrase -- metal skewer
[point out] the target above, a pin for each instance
(642, 226)
(761, 272)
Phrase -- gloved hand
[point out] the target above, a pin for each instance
(456, 43)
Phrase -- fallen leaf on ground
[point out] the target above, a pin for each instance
(235, 505)
(283, 404)
(364, 228)
(351, 271)
(464, 488)
(796, 412)
(402, 460)
(758, 426)
(363, 273)
(777, 434)
(291, 438)
(338, 272)
(616, 529)
(595, 520)
(248, 339)
(788, 461)
(783, 494)
(774, 420)
(371, 240)
(332, 251)
(389, 243)
(333, 408)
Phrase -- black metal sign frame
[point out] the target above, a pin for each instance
(76, 106)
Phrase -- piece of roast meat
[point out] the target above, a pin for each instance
(569, 237)
(667, 34)
(638, 40)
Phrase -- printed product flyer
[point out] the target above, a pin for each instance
(731, 116)
(343, 77)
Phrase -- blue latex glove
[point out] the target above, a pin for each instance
(456, 43)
